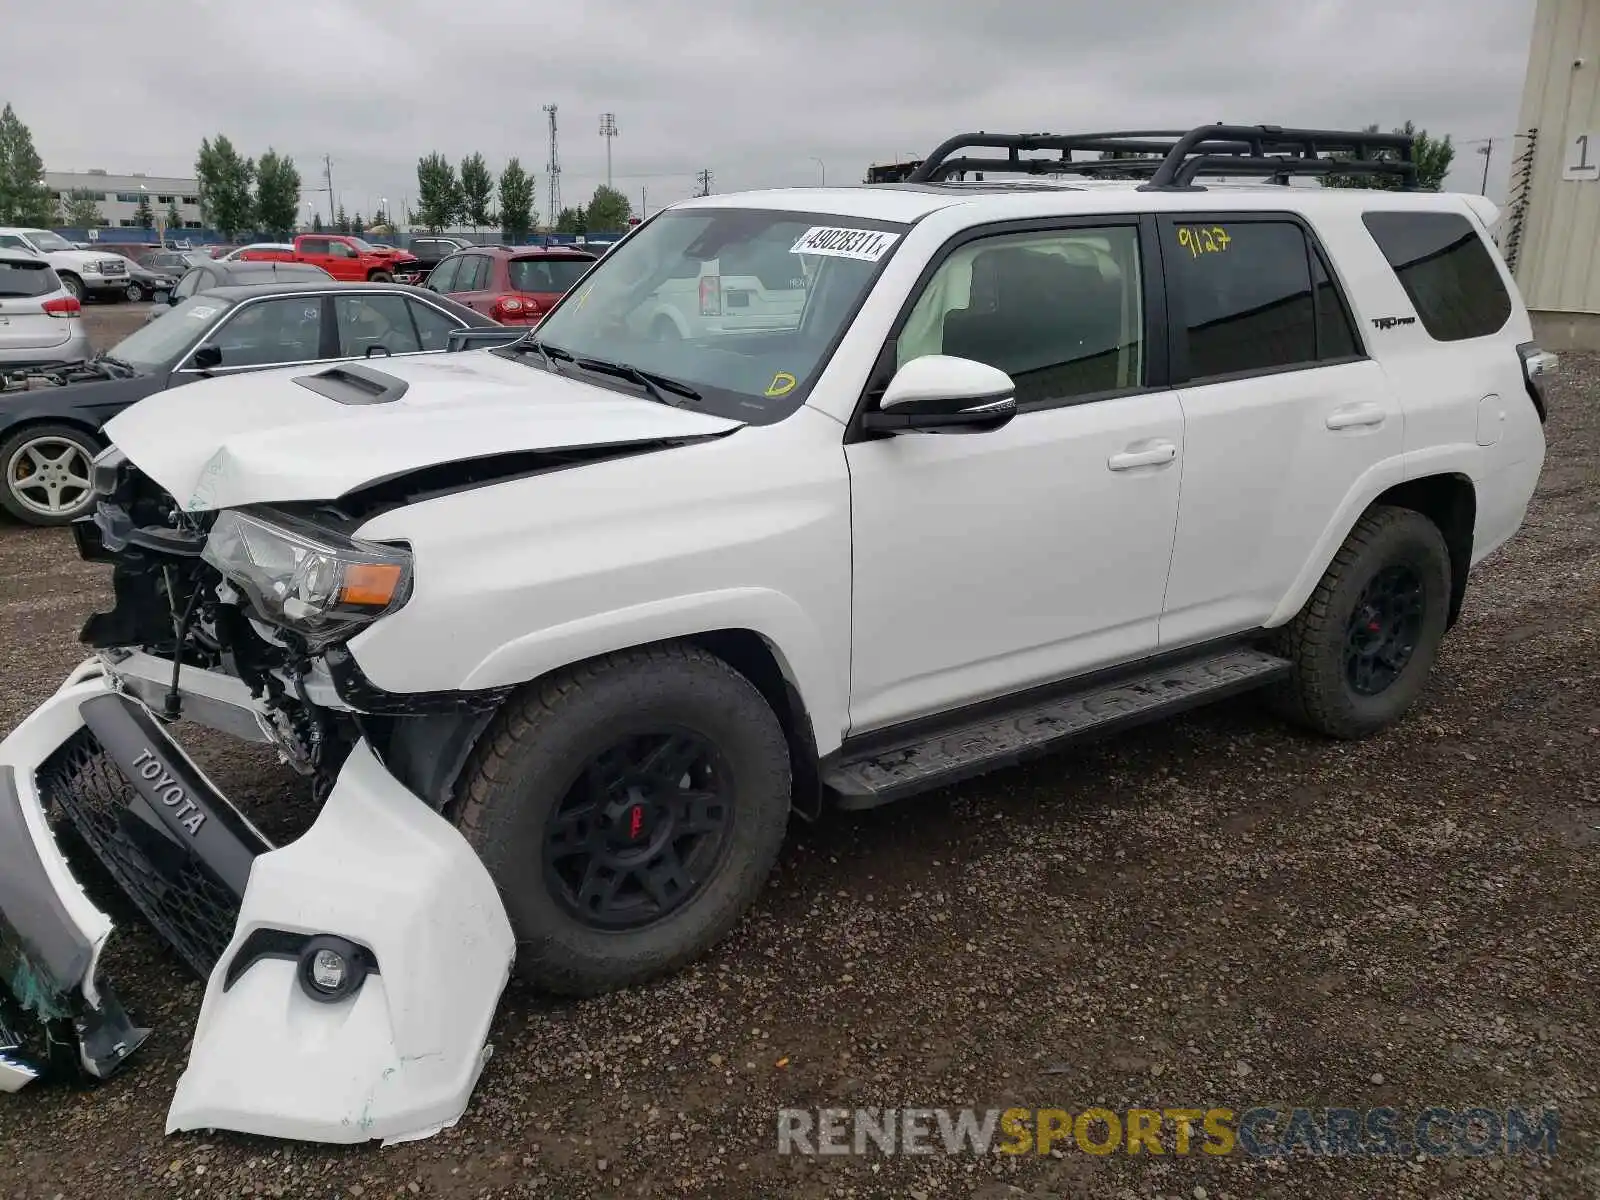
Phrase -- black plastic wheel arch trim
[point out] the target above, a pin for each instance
(360, 693)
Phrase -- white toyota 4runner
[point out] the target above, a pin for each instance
(564, 630)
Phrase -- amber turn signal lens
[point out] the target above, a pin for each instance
(369, 584)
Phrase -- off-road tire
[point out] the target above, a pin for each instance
(1318, 693)
(534, 750)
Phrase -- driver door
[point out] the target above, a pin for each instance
(990, 562)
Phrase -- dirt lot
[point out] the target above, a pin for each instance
(1214, 912)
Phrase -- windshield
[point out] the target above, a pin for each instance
(546, 274)
(743, 305)
(48, 241)
(156, 346)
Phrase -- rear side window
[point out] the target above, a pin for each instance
(26, 279)
(1243, 289)
(1445, 270)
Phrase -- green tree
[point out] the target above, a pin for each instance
(316, 223)
(439, 195)
(572, 220)
(516, 202)
(1433, 157)
(477, 187)
(82, 209)
(357, 225)
(226, 202)
(174, 218)
(24, 198)
(609, 210)
(341, 223)
(143, 215)
(277, 193)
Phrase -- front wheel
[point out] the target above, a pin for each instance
(629, 810)
(75, 286)
(46, 477)
(380, 277)
(1363, 645)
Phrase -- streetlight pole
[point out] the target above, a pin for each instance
(822, 167)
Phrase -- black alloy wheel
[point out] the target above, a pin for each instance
(640, 831)
(1383, 629)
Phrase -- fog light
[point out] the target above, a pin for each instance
(331, 968)
(328, 971)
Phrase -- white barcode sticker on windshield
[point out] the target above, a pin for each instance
(867, 244)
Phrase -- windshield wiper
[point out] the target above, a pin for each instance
(119, 365)
(656, 385)
(548, 353)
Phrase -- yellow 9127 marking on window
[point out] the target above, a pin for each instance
(782, 384)
(1199, 239)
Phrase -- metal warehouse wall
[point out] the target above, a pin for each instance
(1558, 263)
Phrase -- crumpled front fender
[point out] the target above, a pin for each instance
(399, 1058)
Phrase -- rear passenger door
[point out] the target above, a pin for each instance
(1284, 415)
(472, 281)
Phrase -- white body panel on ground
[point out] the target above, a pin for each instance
(400, 1058)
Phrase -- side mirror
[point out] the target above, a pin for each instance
(941, 392)
(172, 297)
(208, 357)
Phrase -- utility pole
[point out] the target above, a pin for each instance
(1486, 149)
(327, 170)
(554, 168)
(644, 203)
(608, 130)
(705, 182)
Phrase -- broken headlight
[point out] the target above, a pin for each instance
(303, 577)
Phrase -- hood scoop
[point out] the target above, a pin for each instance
(354, 384)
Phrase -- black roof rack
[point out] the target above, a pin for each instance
(1172, 158)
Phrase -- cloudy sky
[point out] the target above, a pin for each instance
(758, 91)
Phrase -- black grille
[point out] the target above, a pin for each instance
(186, 903)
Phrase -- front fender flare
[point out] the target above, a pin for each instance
(795, 642)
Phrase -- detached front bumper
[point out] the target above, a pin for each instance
(380, 877)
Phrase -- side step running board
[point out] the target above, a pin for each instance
(877, 776)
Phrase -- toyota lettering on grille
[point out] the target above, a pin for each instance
(170, 792)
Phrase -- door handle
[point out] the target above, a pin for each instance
(1152, 456)
(1356, 416)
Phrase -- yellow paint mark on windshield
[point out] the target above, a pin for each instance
(782, 384)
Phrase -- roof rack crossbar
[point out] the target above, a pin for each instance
(1174, 157)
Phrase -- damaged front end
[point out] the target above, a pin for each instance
(352, 973)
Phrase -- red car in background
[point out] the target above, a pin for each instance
(347, 258)
(514, 285)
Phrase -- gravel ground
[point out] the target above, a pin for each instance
(1213, 912)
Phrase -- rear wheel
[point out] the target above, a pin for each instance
(629, 810)
(1363, 645)
(665, 330)
(46, 479)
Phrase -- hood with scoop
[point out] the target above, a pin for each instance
(308, 434)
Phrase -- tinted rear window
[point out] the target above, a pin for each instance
(546, 274)
(1446, 271)
(27, 279)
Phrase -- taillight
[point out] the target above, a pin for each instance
(508, 306)
(66, 306)
(1536, 365)
(710, 295)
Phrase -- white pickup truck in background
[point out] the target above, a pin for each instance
(83, 272)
